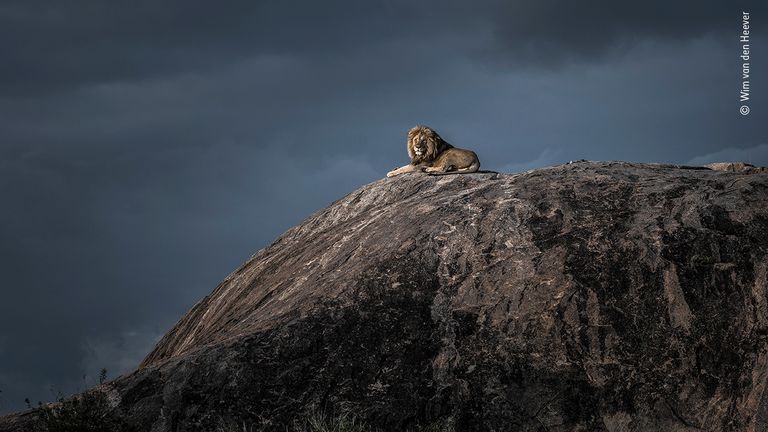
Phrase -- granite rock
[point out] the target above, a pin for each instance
(594, 296)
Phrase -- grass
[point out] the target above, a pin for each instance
(318, 421)
(89, 412)
(92, 412)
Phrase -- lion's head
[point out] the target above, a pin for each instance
(424, 144)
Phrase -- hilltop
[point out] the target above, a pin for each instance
(588, 296)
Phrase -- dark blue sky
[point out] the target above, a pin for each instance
(148, 148)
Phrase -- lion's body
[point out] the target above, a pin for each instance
(430, 153)
(454, 160)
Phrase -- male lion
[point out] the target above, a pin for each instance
(430, 153)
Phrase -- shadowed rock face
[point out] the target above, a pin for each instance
(589, 296)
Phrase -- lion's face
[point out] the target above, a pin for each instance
(424, 144)
(420, 148)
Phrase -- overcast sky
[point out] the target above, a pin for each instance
(148, 148)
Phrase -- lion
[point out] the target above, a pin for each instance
(430, 153)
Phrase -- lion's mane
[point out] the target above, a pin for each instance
(435, 144)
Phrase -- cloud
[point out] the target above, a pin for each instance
(757, 155)
(88, 42)
(118, 354)
(552, 33)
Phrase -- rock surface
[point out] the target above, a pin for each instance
(595, 296)
(736, 167)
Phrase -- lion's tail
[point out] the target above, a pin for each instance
(470, 169)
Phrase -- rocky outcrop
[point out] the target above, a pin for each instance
(736, 167)
(592, 296)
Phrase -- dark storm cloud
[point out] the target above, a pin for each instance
(86, 42)
(91, 41)
(551, 32)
